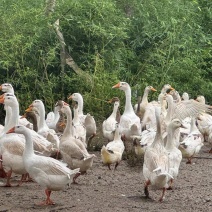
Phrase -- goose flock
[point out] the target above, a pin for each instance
(53, 149)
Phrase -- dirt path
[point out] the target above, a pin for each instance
(102, 190)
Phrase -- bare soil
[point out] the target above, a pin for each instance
(102, 190)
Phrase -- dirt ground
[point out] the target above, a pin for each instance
(102, 190)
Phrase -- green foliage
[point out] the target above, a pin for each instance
(146, 42)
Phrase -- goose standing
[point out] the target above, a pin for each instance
(8, 88)
(79, 128)
(144, 101)
(112, 152)
(11, 146)
(88, 120)
(109, 125)
(43, 129)
(129, 122)
(73, 151)
(46, 171)
(174, 154)
(156, 163)
(53, 117)
(192, 144)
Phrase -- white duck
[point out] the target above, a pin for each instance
(165, 88)
(204, 120)
(8, 88)
(88, 120)
(109, 125)
(192, 144)
(142, 142)
(43, 129)
(53, 117)
(72, 149)
(40, 143)
(181, 110)
(129, 122)
(185, 96)
(112, 152)
(78, 127)
(11, 146)
(144, 101)
(47, 172)
(156, 163)
(174, 154)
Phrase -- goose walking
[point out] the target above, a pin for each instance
(47, 172)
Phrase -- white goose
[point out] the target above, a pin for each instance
(73, 151)
(11, 146)
(174, 154)
(109, 125)
(88, 120)
(40, 143)
(112, 152)
(8, 88)
(185, 96)
(43, 129)
(156, 163)
(129, 122)
(165, 88)
(142, 105)
(79, 128)
(46, 171)
(53, 117)
(192, 144)
(204, 120)
(181, 110)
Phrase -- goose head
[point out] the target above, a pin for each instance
(175, 124)
(150, 88)
(8, 99)
(75, 96)
(7, 88)
(20, 129)
(200, 99)
(185, 96)
(122, 86)
(65, 108)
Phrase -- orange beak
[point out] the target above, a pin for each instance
(0, 87)
(12, 130)
(2, 100)
(153, 89)
(29, 109)
(70, 97)
(117, 85)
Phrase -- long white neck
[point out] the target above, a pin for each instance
(76, 119)
(128, 104)
(28, 151)
(115, 109)
(56, 115)
(170, 142)
(68, 131)
(13, 112)
(80, 105)
(41, 121)
(170, 108)
(145, 96)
